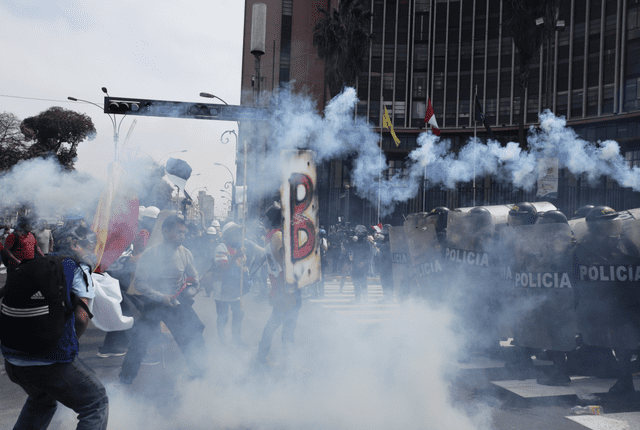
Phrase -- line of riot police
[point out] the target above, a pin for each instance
(565, 288)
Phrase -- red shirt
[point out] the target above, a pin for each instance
(26, 249)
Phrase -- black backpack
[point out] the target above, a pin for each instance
(35, 308)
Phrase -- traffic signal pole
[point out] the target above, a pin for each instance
(174, 109)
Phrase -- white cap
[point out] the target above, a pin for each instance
(212, 230)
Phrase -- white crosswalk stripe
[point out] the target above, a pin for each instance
(371, 310)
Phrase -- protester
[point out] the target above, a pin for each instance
(20, 245)
(56, 374)
(228, 291)
(284, 298)
(44, 238)
(162, 275)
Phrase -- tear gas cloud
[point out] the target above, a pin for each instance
(51, 191)
(339, 375)
(339, 134)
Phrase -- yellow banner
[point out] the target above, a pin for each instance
(386, 123)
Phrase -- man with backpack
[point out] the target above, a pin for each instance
(44, 312)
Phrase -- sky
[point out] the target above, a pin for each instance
(163, 50)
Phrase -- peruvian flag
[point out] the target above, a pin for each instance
(430, 118)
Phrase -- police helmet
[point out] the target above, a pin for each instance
(212, 230)
(215, 223)
(522, 214)
(443, 214)
(551, 217)
(582, 211)
(481, 216)
(601, 213)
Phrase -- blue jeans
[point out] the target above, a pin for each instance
(288, 320)
(73, 384)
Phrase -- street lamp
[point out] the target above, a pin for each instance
(211, 96)
(114, 122)
(233, 188)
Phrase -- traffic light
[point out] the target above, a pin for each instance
(166, 108)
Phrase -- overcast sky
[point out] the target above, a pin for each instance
(156, 49)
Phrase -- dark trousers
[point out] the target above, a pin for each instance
(359, 285)
(288, 320)
(186, 328)
(73, 384)
(222, 310)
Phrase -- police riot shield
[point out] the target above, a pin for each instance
(401, 261)
(605, 278)
(426, 254)
(542, 294)
(473, 277)
(468, 240)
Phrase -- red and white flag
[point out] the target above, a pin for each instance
(430, 118)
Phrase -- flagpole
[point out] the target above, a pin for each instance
(379, 174)
(475, 129)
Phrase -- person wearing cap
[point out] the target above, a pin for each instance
(228, 290)
(57, 375)
(163, 273)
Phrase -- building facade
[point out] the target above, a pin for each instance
(587, 70)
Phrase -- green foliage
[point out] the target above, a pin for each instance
(342, 39)
(57, 131)
(12, 144)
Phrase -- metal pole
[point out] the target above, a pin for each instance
(475, 129)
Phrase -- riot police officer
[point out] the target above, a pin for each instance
(582, 211)
(606, 304)
(522, 214)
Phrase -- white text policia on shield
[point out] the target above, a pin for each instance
(543, 280)
(467, 257)
(610, 273)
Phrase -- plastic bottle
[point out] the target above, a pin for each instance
(587, 410)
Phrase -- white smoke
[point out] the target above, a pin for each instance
(340, 375)
(339, 134)
(50, 190)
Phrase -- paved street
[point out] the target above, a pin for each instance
(370, 365)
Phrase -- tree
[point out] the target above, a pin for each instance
(527, 37)
(57, 131)
(12, 144)
(342, 39)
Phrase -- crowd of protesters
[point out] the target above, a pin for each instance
(159, 282)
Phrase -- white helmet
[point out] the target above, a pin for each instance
(212, 230)
(215, 223)
(140, 212)
(151, 212)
